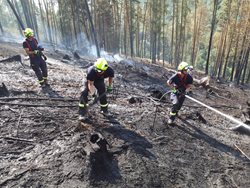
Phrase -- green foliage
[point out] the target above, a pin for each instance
(223, 11)
(117, 22)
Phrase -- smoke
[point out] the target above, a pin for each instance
(10, 38)
(81, 45)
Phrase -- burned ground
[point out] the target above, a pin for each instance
(43, 145)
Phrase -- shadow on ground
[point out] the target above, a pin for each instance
(199, 134)
(104, 167)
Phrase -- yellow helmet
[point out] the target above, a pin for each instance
(28, 32)
(101, 64)
(183, 66)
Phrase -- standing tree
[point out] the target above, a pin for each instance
(17, 16)
(92, 29)
(213, 23)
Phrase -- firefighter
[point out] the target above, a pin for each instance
(179, 83)
(37, 58)
(95, 84)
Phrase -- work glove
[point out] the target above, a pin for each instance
(109, 89)
(36, 52)
(175, 91)
(179, 91)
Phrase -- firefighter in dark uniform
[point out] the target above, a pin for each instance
(179, 82)
(37, 58)
(95, 81)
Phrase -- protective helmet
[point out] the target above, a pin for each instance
(183, 66)
(101, 64)
(28, 32)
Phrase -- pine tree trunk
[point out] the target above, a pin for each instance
(211, 34)
(46, 6)
(172, 35)
(246, 62)
(235, 58)
(17, 16)
(43, 21)
(163, 35)
(194, 34)
(1, 28)
(143, 41)
(92, 29)
(232, 35)
(131, 28)
(177, 44)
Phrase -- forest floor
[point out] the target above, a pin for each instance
(42, 143)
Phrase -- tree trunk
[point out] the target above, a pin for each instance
(126, 25)
(17, 8)
(231, 36)
(235, 58)
(163, 35)
(32, 8)
(143, 30)
(172, 35)
(246, 62)
(242, 56)
(46, 6)
(211, 34)
(17, 16)
(195, 33)
(198, 36)
(43, 21)
(1, 28)
(27, 15)
(153, 38)
(248, 77)
(131, 28)
(177, 42)
(92, 29)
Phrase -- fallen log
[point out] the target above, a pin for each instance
(14, 58)
(204, 82)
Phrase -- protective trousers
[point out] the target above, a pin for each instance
(177, 101)
(83, 104)
(40, 68)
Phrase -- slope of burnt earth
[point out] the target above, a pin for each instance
(42, 143)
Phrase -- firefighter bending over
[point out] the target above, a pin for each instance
(95, 82)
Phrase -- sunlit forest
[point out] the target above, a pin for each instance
(212, 35)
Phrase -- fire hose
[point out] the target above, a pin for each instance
(240, 124)
(222, 114)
